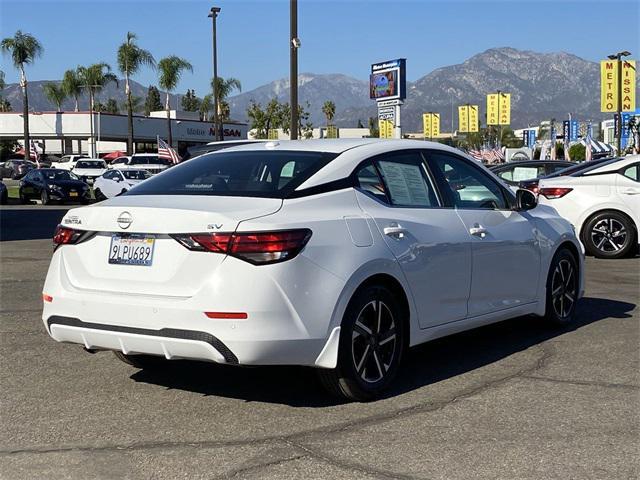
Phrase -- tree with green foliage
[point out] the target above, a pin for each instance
(111, 106)
(23, 49)
(206, 105)
(5, 106)
(189, 101)
(263, 120)
(170, 69)
(577, 152)
(131, 58)
(137, 105)
(359, 125)
(72, 86)
(55, 94)
(225, 87)
(152, 103)
(329, 111)
(94, 78)
(374, 131)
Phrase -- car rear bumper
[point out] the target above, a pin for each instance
(281, 328)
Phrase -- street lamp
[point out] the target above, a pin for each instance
(213, 14)
(294, 45)
(618, 57)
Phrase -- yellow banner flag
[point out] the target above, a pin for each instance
(492, 109)
(473, 118)
(629, 86)
(468, 118)
(386, 128)
(431, 124)
(463, 118)
(609, 86)
(504, 102)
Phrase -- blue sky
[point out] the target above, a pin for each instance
(337, 36)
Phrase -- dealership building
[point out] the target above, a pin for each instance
(72, 132)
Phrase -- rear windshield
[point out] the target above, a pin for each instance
(55, 175)
(136, 174)
(270, 174)
(90, 164)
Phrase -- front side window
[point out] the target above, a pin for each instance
(406, 180)
(135, 174)
(269, 174)
(465, 185)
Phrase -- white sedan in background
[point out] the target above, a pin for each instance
(336, 254)
(88, 169)
(602, 203)
(115, 182)
(146, 161)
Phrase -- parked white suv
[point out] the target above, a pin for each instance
(88, 169)
(67, 162)
(146, 161)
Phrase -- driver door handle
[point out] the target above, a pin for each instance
(478, 231)
(631, 191)
(394, 230)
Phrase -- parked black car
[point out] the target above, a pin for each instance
(53, 184)
(514, 173)
(15, 168)
(4, 194)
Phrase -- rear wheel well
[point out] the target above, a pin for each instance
(612, 210)
(395, 287)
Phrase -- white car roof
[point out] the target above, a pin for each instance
(622, 162)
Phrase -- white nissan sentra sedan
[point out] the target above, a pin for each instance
(336, 254)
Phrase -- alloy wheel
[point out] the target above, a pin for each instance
(373, 341)
(609, 235)
(563, 288)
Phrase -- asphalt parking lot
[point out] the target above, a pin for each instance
(514, 400)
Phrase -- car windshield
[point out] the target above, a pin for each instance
(270, 174)
(90, 164)
(136, 174)
(56, 175)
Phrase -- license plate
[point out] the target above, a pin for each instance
(73, 194)
(131, 250)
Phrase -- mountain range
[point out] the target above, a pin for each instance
(542, 86)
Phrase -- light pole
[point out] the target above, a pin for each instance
(293, 78)
(213, 14)
(618, 57)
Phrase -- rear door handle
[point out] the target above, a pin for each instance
(478, 231)
(395, 231)
(631, 191)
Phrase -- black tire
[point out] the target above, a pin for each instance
(99, 195)
(609, 234)
(44, 197)
(140, 361)
(368, 358)
(562, 288)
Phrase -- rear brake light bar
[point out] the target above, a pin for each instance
(69, 236)
(258, 248)
(554, 192)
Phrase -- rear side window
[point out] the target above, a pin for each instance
(632, 172)
(522, 172)
(269, 174)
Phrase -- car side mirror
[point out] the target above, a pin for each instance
(525, 200)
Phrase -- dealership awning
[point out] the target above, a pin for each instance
(599, 147)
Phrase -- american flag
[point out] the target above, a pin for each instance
(33, 152)
(488, 155)
(165, 151)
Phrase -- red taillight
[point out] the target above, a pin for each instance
(63, 235)
(227, 315)
(554, 192)
(258, 248)
(47, 298)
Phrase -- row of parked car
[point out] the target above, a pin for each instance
(600, 198)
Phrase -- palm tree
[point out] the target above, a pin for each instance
(171, 69)
(130, 58)
(93, 79)
(225, 87)
(55, 94)
(24, 49)
(329, 110)
(72, 85)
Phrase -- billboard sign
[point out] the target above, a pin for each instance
(468, 118)
(388, 80)
(532, 138)
(431, 124)
(608, 86)
(628, 85)
(499, 108)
